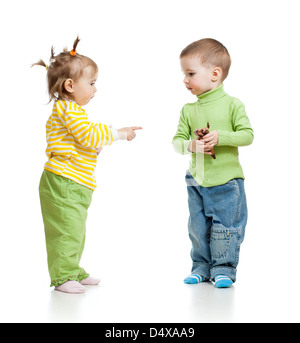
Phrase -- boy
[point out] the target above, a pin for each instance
(216, 196)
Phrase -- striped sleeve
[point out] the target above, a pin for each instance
(86, 133)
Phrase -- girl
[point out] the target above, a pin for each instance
(67, 182)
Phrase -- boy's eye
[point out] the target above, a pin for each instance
(191, 74)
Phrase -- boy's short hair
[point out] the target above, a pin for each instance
(210, 52)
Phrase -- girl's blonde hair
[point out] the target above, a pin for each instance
(66, 65)
(210, 52)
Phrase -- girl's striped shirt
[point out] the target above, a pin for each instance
(72, 141)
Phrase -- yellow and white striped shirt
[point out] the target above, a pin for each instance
(72, 141)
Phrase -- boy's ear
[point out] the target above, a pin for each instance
(69, 85)
(216, 74)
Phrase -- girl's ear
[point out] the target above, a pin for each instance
(69, 86)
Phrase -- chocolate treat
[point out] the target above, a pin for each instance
(200, 133)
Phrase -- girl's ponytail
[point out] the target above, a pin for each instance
(73, 51)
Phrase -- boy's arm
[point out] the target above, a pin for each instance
(182, 138)
(243, 133)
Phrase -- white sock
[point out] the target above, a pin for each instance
(72, 287)
(90, 281)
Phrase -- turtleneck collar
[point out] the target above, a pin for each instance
(212, 95)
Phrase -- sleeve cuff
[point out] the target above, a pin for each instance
(181, 146)
(115, 134)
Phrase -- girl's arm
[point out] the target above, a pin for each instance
(89, 134)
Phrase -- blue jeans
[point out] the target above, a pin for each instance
(218, 217)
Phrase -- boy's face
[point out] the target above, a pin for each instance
(199, 78)
(84, 88)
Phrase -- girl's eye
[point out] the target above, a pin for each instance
(92, 84)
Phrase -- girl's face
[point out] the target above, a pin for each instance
(199, 78)
(84, 88)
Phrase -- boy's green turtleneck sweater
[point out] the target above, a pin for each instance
(225, 114)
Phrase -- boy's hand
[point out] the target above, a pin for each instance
(206, 144)
(128, 132)
(196, 146)
(211, 139)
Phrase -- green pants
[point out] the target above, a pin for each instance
(64, 206)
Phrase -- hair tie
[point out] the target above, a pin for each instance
(47, 67)
(73, 52)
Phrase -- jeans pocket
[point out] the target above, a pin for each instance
(219, 243)
(224, 245)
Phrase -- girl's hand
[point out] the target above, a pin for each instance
(98, 150)
(128, 132)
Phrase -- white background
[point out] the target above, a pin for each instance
(137, 240)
